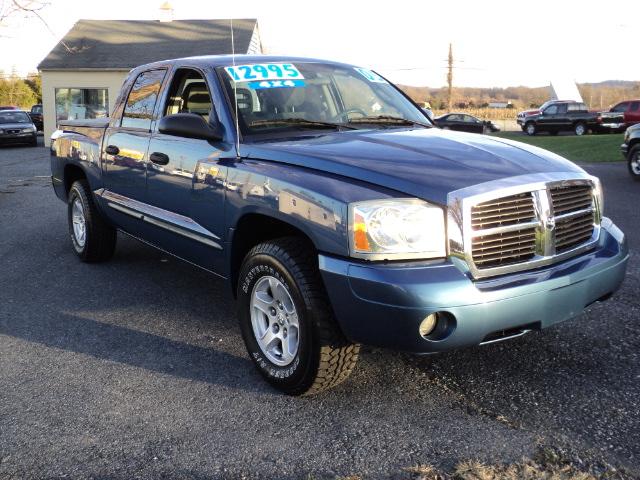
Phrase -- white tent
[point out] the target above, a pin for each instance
(565, 89)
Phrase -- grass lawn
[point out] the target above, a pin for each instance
(587, 148)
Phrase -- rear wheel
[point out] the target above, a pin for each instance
(634, 163)
(530, 129)
(286, 320)
(93, 239)
(580, 129)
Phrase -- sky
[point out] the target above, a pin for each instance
(496, 43)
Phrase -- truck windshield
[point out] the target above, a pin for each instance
(14, 117)
(287, 97)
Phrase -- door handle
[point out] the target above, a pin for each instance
(112, 150)
(159, 158)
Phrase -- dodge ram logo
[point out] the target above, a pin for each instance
(549, 223)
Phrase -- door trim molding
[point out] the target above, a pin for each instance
(171, 221)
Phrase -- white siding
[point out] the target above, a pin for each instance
(51, 80)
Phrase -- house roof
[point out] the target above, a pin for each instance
(124, 44)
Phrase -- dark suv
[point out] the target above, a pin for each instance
(562, 117)
(36, 116)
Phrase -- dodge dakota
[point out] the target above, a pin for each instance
(335, 212)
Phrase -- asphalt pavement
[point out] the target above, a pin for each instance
(136, 369)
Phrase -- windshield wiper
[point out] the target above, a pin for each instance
(389, 120)
(300, 122)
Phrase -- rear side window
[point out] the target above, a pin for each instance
(577, 107)
(635, 106)
(138, 111)
(621, 107)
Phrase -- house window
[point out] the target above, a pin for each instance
(81, 103)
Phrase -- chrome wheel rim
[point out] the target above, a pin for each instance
(635, 164)
(531, 129)
(79, 222)
(579, 129)
(275, 321)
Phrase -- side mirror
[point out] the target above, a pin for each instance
(188, 125)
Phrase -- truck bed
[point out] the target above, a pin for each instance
(90, 127)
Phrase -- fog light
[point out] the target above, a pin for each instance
(428, 324)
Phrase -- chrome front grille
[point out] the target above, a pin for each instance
(520, 227)
(571, 198)
(574, 231)
(503, 211)
(504, 248)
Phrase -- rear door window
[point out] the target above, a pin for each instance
(635, 106)
(141, 103)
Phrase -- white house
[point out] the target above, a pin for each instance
(82, 75)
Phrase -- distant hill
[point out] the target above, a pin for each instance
(596, 95)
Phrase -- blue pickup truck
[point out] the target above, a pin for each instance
(337, 213)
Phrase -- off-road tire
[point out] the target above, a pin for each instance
(634, 156)
(324, 357)
(100, 242)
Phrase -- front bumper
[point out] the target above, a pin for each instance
(383, 305)
(624, 148)
(16, 138)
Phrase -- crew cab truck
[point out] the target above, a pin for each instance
(561, 117)
(336, 213)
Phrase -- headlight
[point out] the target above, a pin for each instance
(396, 229)
(29, 130)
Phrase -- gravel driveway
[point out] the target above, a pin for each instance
(136, 369)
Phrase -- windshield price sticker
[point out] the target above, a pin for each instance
(371, 76)
(264, 71)
(275, 84)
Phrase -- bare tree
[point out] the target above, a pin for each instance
(28, 8)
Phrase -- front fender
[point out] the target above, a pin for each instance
(313, 201)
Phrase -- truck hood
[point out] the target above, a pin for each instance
(424, 163)
(526, 113)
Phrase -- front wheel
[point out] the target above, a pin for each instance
(634, 163)
(580, 129)
(286, 320)
(530, 129)
(92, 238)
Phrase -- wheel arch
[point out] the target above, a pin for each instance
(253, 228)
(72, 173)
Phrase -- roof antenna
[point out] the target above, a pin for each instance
(235, 91)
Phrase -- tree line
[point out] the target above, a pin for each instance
(596, 95)
(20, 92)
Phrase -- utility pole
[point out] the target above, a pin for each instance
(450, 79)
